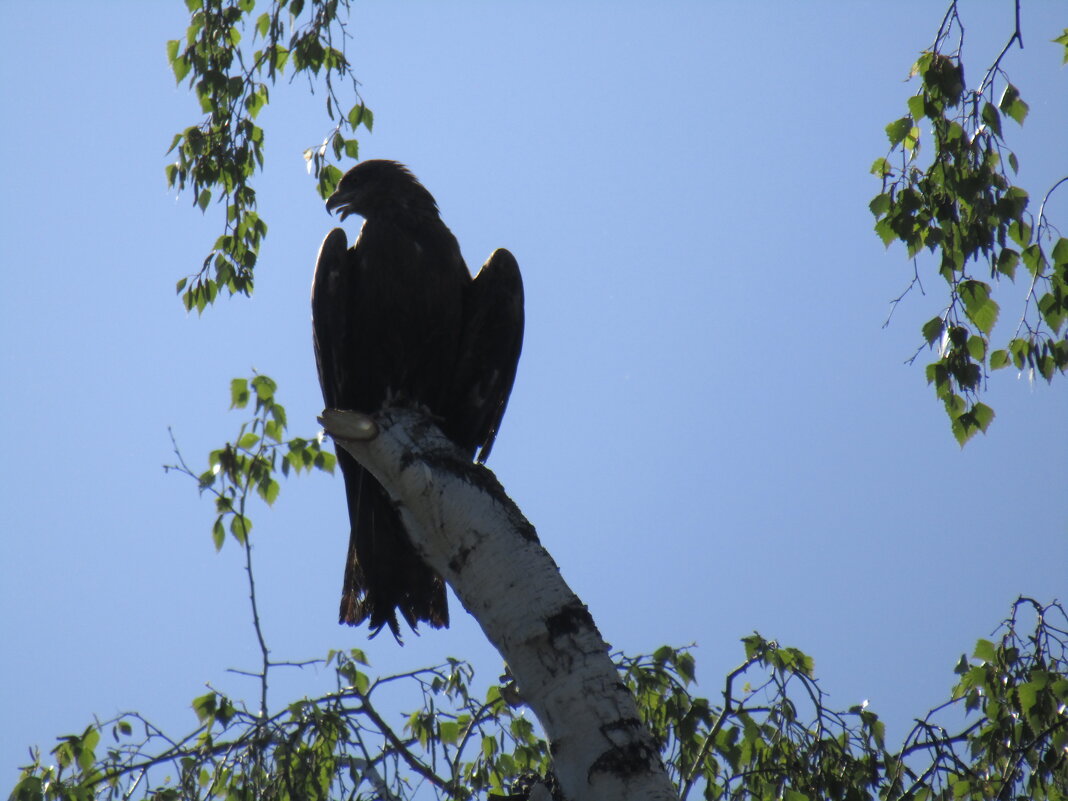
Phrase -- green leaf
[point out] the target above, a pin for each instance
(238, 393)
(87, 746)
(916, 105)
(977, 347)
(943, 77)
(269, 491)
(885, 231)
(932, 329)
(955, 405)
(1028, 695)
(1013, 202)
(962, 431)
(365, 117)
(181, 68)
(204, 706)
(218, 533)
(240, 527)
(1063, 40)
(978, 305)
(912, 139)
(991, 118)
(449, 732)
(1020, 350)
(880, 204)
(985, 651)
(1034, 259)
(999, 359)
(880, 167)
(939, 376)
(329, 175)
(1059, 253)
(1007, 261)
(976, 419)
(264, 386)
(898, 130)
(1053, 310)
(1020, 233)
(248, 441)
(1012, 105)
(274, 430)
(954, 133)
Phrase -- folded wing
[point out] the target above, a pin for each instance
(490, 345)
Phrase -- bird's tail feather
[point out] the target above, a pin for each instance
(383, 572)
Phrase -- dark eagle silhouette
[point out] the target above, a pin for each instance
(398, 318)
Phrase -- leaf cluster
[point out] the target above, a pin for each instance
(1008, 706)
(776, 738)
(963, 207)
(338, 745)
(1002, 735)
(250, 461)
(773, 737)
(218, 157)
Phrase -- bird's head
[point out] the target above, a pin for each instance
(380, 186)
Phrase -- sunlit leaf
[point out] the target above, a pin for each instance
(881, 167)
(239, 393)
(240, 527)
(880, 204)
(1012, 104)
(898, 130)
(916, 107)
(932, 329)
(1063, 40)
(1059, 254)
(980, 307)
(248, 441)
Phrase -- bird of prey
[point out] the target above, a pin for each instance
(397, 318)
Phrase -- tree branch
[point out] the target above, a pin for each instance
(466, 528)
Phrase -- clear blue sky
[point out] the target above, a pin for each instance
(710, 429)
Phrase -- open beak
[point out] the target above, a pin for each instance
(339, 200)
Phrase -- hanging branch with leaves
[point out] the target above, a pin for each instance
(217, 158)
(963, 207)
(1002, 734)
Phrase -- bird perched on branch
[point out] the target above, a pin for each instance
(397, 318)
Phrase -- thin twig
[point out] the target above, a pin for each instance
(398, 744)
(710, 738)
(995, 68)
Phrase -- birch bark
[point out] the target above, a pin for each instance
(465, 527)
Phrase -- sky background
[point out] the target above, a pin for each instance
(710, 428)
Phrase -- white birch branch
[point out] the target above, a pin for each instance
(469, 531)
